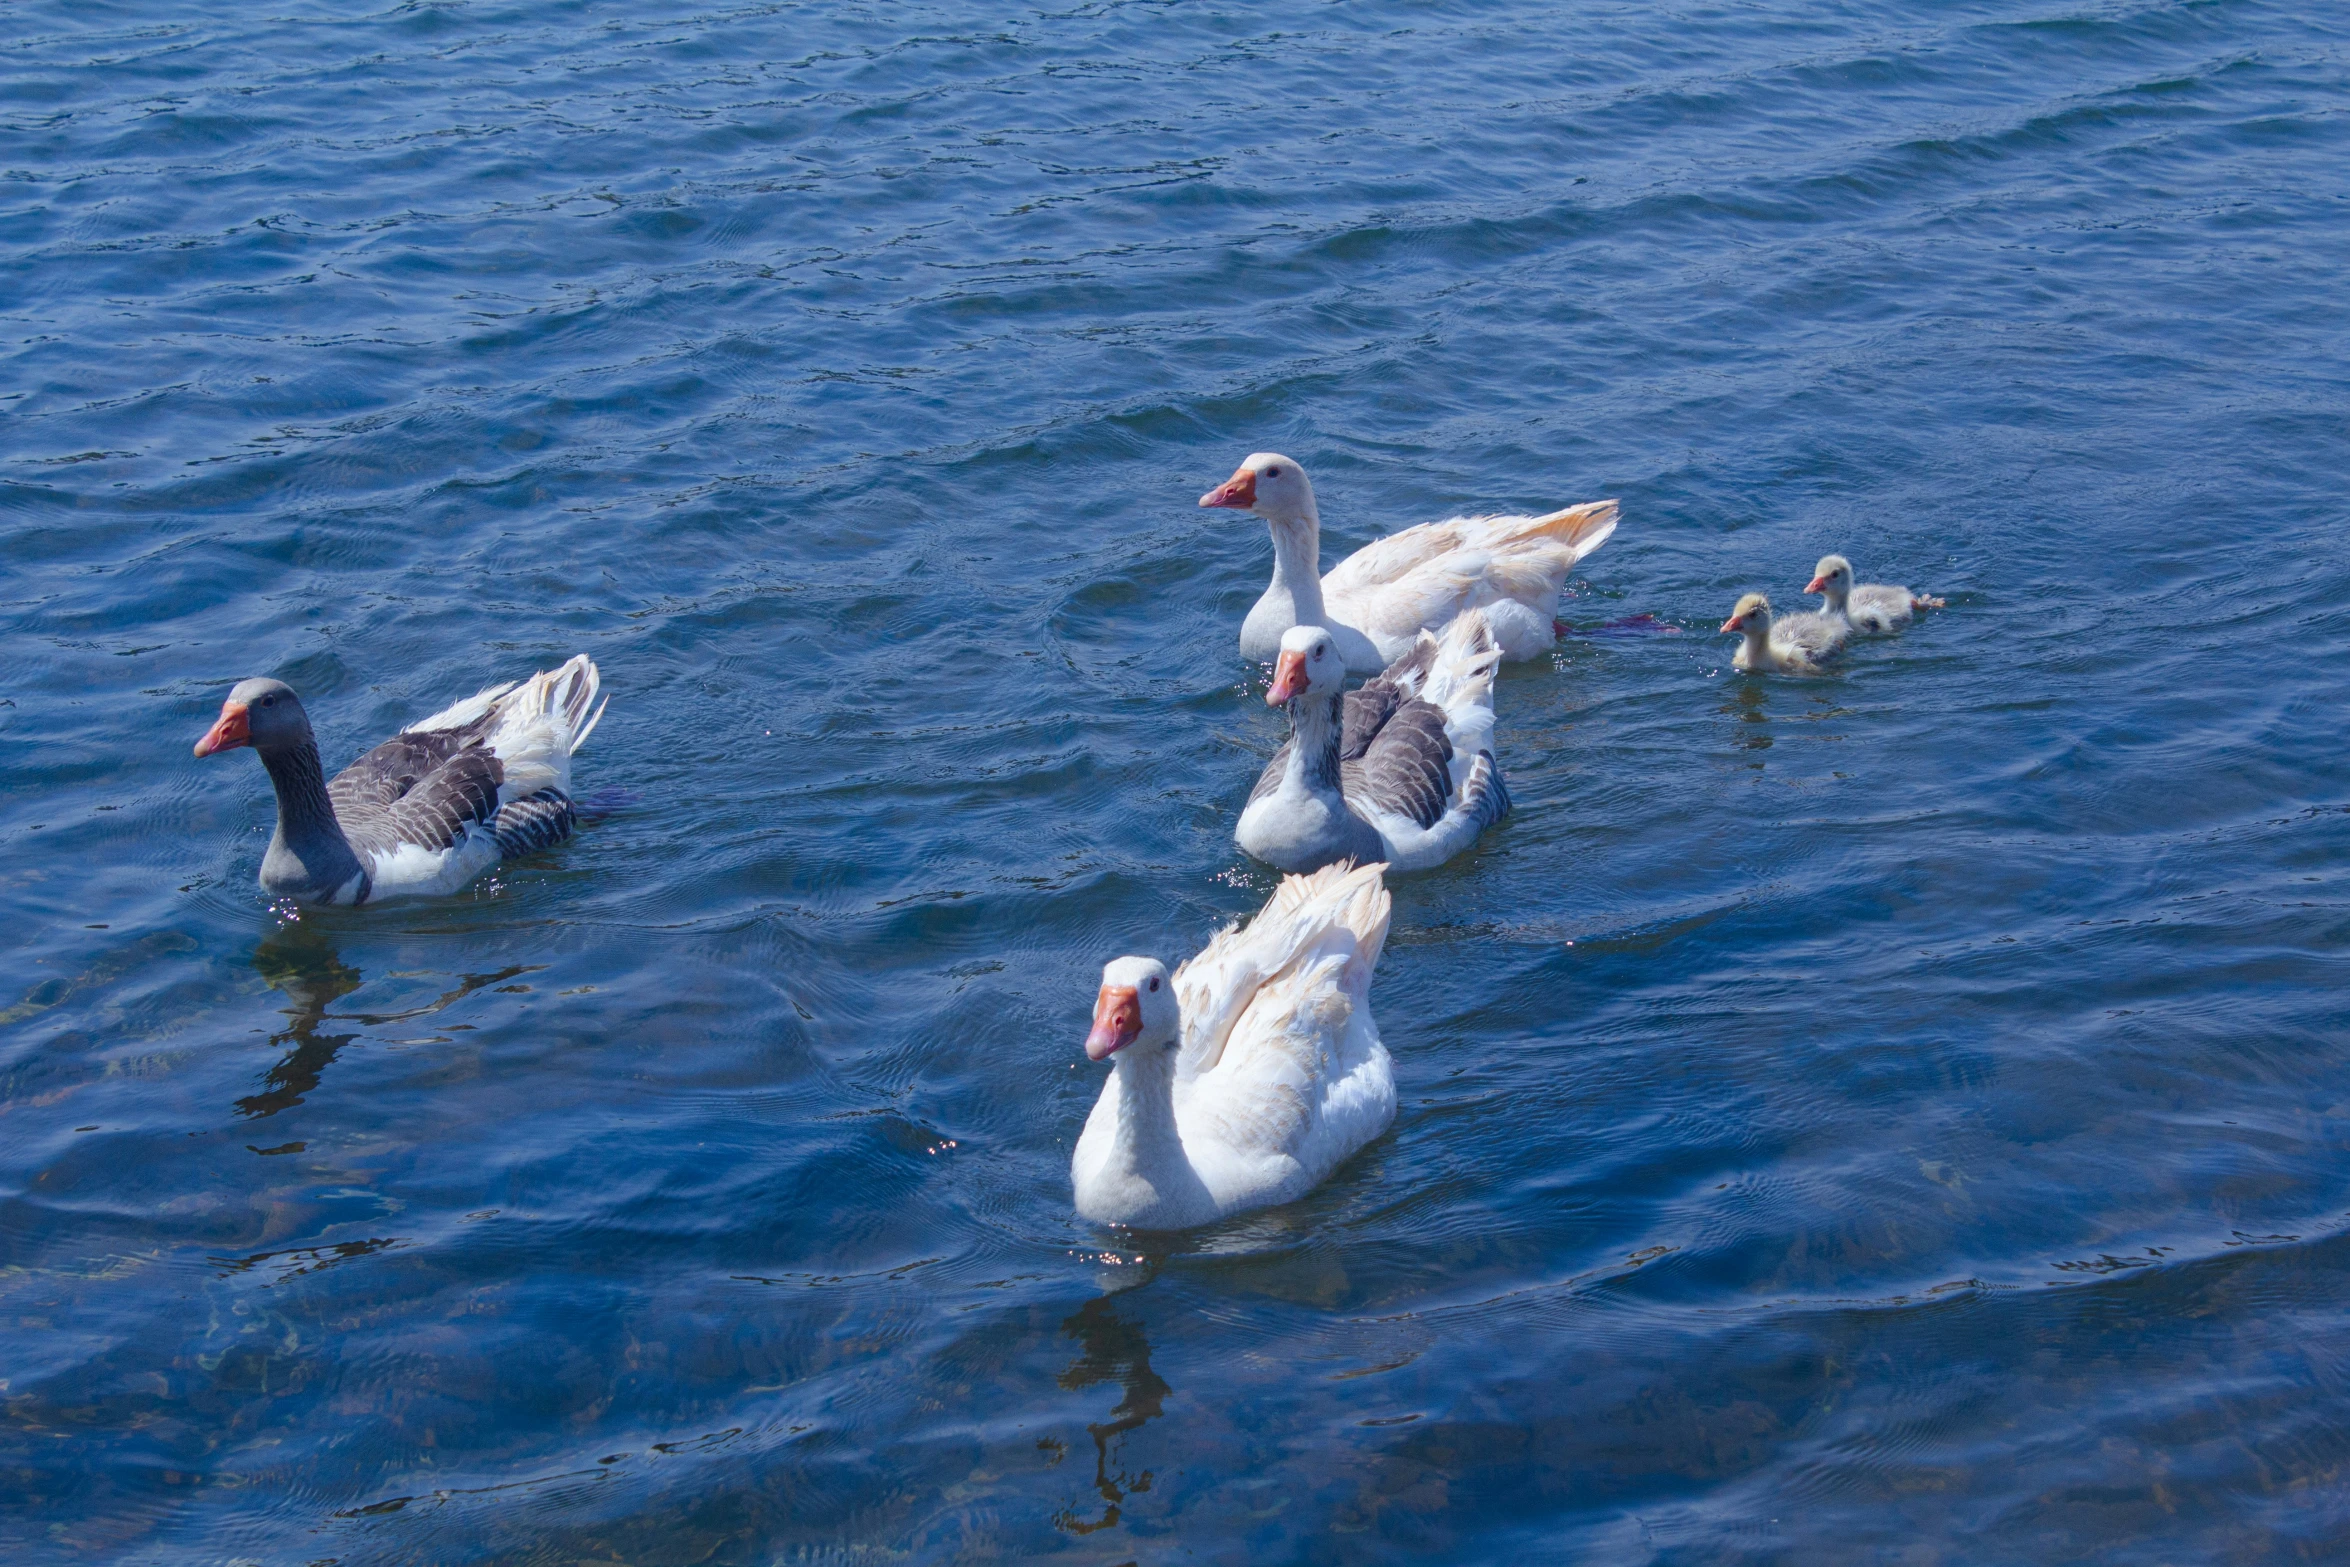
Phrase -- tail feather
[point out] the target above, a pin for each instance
(572, 688)
(1295, 892)
(535, 727)
(579, 736)
(458, 714)
(1367, 912)
(1358, 894)
(1486, 795)
(1355, 895)
(1217, 984)
(1927, 601)
(1460, 681)
(1464, 664)
(1340, 897)
(1581, 528)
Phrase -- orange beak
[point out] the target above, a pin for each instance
(1117, 1020)
(229, 732)
(1734, 623)
(1816, 585)
(1238, 492)
(1289, 680)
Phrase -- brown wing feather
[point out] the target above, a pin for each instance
(393, 768)
(1407, 768)
(416, 788)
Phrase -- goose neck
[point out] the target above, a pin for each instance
(1147, 1142)
(305, 815)
(1315, 732)
(1297, 563)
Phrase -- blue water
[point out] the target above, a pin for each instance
(1902, 1117)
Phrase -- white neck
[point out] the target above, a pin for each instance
(1297, 563)
(1147, 1146)
(1837, 595)
(1758, 638)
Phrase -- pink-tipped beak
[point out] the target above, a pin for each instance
(1117, 1020)
(1734, 623)
(228, 732)
(1816, 585)
(1238, 492)
(1289, 680)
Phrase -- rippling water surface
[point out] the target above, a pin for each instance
(1896, 1117)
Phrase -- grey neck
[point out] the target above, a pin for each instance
(308, 854)
(1838, 595)
(1315, 732)
(1297, 564)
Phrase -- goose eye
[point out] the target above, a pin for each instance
(1273, 472)
(1154, 984)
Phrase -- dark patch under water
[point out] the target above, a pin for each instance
(1900, 1117)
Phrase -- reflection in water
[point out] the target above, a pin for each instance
(1746, 705)
(1115, 1350)
(302, 962)
(296, 1261)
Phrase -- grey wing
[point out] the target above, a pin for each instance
(1270, 778)
(1363, 713)
(534, 822)
(1368, 708)
(433, 811)
(1407, 770)
(393, 768)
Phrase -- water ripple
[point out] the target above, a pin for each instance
(1891, 1115)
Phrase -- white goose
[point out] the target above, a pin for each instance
(1249, 1075)
(1873, 609)
(429, 809)
(1401, 770)
(1378, 600)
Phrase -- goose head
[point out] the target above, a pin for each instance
(1833, 577)
(1752, 617)
(264, 714)
(1309, 662)
(1269, 484)
(1135, 1011)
